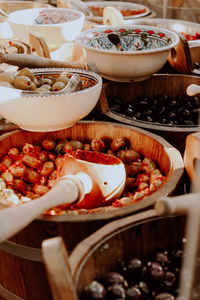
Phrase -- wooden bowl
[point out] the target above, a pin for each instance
(23, 251)
(141, 235)
(159, 84)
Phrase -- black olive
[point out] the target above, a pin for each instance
(149, 119)
(172, 103)
(95, 291)
(196, 65)
(164, 296)
(190, 122)
(133, 293)
(138, 115)
(148, 112)
(156, 271)
(129, 111)
(172, 115)
(144, 288)
(162, 258)
(170, 280)
(135, 268)
(162, 110)
(115, 291)
(114, 277)
(116, 108)
(163, 121)
(177, 257)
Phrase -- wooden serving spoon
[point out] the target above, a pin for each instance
(90, 179)
(180, 57)
(186, 205)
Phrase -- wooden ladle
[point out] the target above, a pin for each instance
(88, 178)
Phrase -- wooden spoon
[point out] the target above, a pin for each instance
(186, 204)
(193, 89)
(80, 179)
(180, 58)
(58, 269)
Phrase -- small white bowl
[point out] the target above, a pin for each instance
(145, 51)
(36, 112)
(66, 24)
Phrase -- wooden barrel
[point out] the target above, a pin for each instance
(172, 85)
(141, 236)
(22, 270)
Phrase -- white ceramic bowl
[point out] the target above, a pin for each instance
(145, 51)
(34, 112)
(11, 6)
(188, 28)
(135, 10)
(66, 24)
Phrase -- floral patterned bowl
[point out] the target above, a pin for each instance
(145, 50)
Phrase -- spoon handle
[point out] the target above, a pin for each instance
(180, 204)
(58, 269)
(15, 218)
(31, 61)
(193, 89)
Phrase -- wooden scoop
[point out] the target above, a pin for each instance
(88, 178)
(180, 57)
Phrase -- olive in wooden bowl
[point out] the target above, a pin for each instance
(135, 258)
(40, 152)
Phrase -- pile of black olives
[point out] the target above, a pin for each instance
(160, 109)
(136, 279)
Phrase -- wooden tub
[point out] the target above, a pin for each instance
(171, 85)
(22, 271)
(141, 236)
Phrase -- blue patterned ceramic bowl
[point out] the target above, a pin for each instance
(145, 50)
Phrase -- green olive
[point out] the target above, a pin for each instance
(42, 90)
(46, 87)
(117, 144)
(22, 82)
(46, 81)
(32, 87)
(63, 78)
(6, 84)
(57, 86)
(27, 72)
(7, 77)
(131, 155)
(72, 145)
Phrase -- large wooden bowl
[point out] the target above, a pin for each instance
(141, 235)
(159, 84)
(23, 252)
